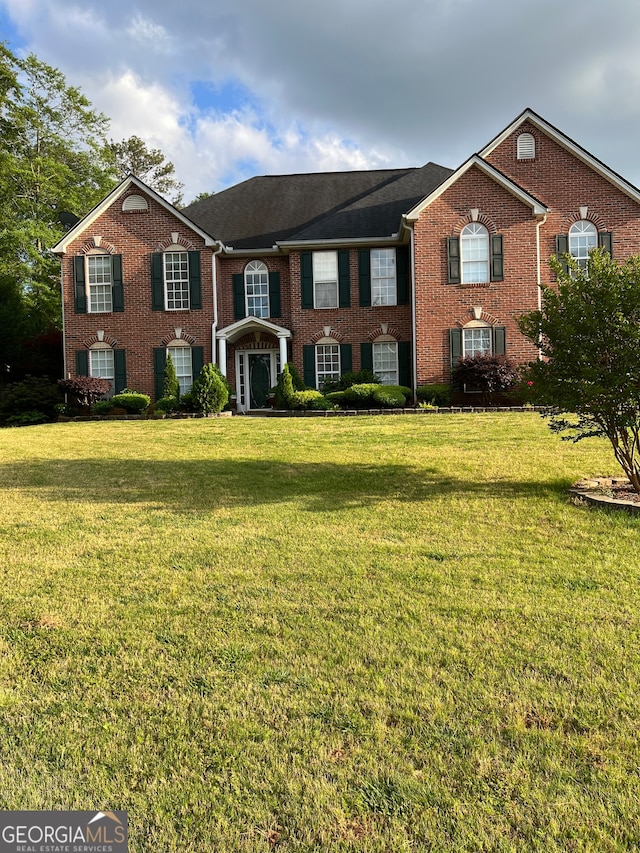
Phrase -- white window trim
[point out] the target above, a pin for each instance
(583, 227)
(92, 256)
(258, 266)
(474, 326)
(185, 387)
(175, 250)
(474, 229)
(331, 376)
(317, 280)
(378, 372)
(394, 298)
(112, 378)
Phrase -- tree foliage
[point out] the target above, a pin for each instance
(588, 331)
(209, 391)
(170, 385)
(132, 157)
(84, 390)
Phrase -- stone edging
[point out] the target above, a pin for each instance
(590, 492)
(321, 413)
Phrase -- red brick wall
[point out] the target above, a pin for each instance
(138, 329)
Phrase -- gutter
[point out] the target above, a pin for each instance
(214, 284)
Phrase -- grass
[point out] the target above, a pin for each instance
(369, 634)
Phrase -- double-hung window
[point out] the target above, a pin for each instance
(476, 341)
(176, 279)
(100, 283)
(256, 279)
(327, 363)
(325, 279)
(383, 277)
(385, 362)
(183, 364)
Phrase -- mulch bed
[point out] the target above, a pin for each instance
(615, 492)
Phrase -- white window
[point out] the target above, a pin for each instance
(476, 341)
(474, 253)
(385, 362)
(256, 285)
(101, 365)
(181, 358)
(327, 363)
(583, 237)
(100, 283)
(383, 277)
(526, 147)
(325, 279)
(176, 280)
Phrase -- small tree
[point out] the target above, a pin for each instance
(85, 390)
(171, 386)
(284, 389)
(588, 332)
(209, 391)
(489, 374)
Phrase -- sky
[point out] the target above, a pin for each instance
(228, 89)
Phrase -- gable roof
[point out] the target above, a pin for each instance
(61, 246)
(537, 208)
(319, 205)
(529, 116)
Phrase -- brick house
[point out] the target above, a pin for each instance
(402, 270)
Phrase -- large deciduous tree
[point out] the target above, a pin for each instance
(588, 331)
(131, 156)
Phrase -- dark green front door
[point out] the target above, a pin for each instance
(259, 380)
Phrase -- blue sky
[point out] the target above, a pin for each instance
(232, 88)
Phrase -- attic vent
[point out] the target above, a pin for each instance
(135, 202)
(526, 147)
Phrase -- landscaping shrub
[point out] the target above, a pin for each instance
(132, 402)
(84, 390)
(284, 389)
(28, 418)
(166, 405)
(351, 377)
(298, 384)
(389, 396)
(187, 403)
(435, 394)
(309, 399)
(361, 396)
(35, 394)
(170, 386)
(101, 407)
(209, 391)
(488, 374)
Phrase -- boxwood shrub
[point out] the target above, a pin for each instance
(435, 394)
(389, 396)
(309, 399)
(132, 402)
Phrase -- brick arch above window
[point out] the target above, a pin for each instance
(327, 336)
(382, 334)
(483, 319)
(574, 217)
(103, 247)
(176, 242)
(95, 342)
(172, 339)
(482, 219)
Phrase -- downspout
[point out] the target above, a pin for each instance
(64, 327)
(539, 224)
(414, 331)
(214, 283)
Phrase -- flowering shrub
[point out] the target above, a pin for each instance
(84, 390)
(488, 374)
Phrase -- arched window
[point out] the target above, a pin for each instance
(256, 287)
(526, 146)
(474, 253)
(583, 237)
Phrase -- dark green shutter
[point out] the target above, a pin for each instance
(306, 279)
(120, 370)
(346, 360)
(366, 356)
(195, 285)
(455, 345)
(274, 295)
(197, 361)
(157, 282)
(453, 260)
(402, 274)
(562, 249)
(605, 242)
(364, 276)
(497, 261)
(238, 296)
(80, 293)
(404, 363)
(116, 283)
(344, 279)
(159, 361)
(82, 362)
(499, 340)
(309, 366)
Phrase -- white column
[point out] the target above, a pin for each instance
(222, 355)
(283, 350)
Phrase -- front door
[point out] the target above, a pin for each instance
(259, 379)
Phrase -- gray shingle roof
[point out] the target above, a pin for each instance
(324, 205)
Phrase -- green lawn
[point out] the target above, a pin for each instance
(356, 634)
